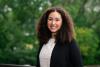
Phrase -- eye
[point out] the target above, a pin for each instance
(57, 19)
(49, 19)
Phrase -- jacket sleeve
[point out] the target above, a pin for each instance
(38, 61)
(75, 55)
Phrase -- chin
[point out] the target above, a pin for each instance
(53, 31)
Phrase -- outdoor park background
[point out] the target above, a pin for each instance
(18, 19)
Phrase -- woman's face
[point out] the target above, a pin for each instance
(54, 21)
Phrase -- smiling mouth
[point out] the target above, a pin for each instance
(52, 27)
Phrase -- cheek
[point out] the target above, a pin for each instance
(48, 24)
(59, 24)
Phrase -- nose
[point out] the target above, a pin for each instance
(53, 22)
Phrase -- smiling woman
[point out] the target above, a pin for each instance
(58, 47)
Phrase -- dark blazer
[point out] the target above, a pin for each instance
(64, 55)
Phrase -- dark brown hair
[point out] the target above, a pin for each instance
(65, 34)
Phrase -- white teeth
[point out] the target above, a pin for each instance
(53, 27)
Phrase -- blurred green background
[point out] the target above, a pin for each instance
(18, 19)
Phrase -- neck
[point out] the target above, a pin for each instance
(53, 35)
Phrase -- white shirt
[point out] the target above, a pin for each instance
(45, 53)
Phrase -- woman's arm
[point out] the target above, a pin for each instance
(38, 61)
(75, 55)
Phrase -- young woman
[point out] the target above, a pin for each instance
(58, 47)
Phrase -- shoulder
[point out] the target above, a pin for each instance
(73, 42)
(74, 45)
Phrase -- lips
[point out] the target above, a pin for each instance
(53, 27)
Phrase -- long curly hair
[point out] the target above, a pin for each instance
(66, 32)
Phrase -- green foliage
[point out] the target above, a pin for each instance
(88, 42)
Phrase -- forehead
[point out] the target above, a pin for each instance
(55, 14)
